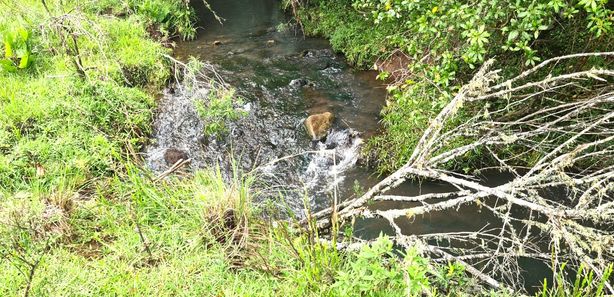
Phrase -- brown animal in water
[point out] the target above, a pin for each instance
(317, 125)
(173, 155)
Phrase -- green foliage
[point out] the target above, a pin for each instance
(220, 107)
(172, 17)
(585, 284)
(480, 28)
(375, 271)
(92, 248)
(348, 32)
(317, 265)
(136, 59)
(17, 49)
(49, 124)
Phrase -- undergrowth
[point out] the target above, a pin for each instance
(189, 236)
(171, 17)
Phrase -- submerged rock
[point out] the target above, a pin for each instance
(297, 83)
(173, 155)
(301, 82)
(318, 125)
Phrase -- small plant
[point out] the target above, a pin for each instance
(17, 52)
(174, 17)
(218, 108)
(282, 27)
(449, 278)
(376, 271)
(358, 189)
(585, 284)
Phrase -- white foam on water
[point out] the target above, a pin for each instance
(335, 156)
(177, 125)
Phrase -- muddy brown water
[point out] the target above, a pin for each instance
(284, 77)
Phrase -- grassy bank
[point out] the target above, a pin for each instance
(428, 49)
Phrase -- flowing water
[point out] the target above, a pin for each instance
(283, 78)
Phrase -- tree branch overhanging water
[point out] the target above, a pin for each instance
(572, 136)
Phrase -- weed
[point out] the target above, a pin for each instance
(220, 107)
(584, 285)
(17, 49)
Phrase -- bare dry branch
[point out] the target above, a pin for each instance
(561, 127)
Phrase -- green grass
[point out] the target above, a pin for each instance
(59, 131)
(93, 247)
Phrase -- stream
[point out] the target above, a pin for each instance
(284, 77)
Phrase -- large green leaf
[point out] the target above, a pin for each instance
(25, 60)
(8, 49)
(7, 65)
(24, 34)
